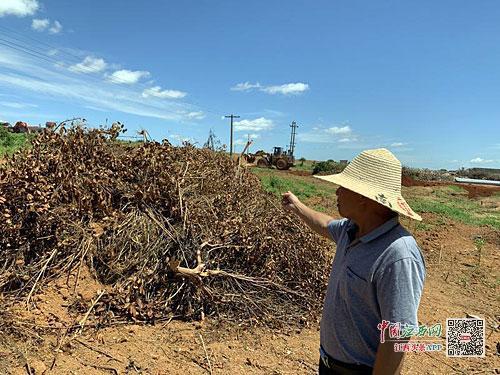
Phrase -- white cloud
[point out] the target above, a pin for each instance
(397, 144)
(338, 130)
(481, 161)
(20, 8)
(157, 92)
(56, 28)
(35, 117)
(245, 86)
(240, 142)
(179, 138)
(320, 134)
(243, 141)
(255, 125)
(287, 88)
(128, 76)
(40, 24)
(17, 105)
(89, 65)
(195, 115)
(52, 52)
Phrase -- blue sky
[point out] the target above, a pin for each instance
(420, 78)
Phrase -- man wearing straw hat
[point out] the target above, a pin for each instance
(378, 270)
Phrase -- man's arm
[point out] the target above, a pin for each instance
(317, 221)
(387, 360)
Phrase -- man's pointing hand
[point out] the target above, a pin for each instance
(290, 202)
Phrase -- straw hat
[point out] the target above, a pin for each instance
(375, 174)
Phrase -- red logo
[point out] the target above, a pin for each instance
(465, 337)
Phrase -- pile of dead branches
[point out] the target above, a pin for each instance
(170, 231)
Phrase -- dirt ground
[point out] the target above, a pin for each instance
(458, 283)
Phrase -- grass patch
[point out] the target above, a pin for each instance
(452, 202)
(465, 211)
(278, 184)
(307, 165)
(456, 189)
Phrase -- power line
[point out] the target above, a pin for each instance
(21, 46)
(36, 50)
(83, 82)
(78, 58)
(29, 50)
(21, 49)
(39, 55)
(32, 51)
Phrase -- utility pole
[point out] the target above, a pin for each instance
(232, 117)
(294, 127)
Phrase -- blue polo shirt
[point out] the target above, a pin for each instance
(377, 277)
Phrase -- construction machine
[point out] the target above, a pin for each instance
(280, 158)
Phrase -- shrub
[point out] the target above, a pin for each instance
(328, 167)
(11, 142)
(425, 174)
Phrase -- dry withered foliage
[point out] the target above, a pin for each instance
(171, 231)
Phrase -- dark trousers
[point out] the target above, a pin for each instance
(337, 369)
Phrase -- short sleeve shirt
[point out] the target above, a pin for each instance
(378, 277)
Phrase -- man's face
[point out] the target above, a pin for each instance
(349, 203)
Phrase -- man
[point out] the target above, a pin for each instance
(378, 270)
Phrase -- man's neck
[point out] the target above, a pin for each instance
(368, 223)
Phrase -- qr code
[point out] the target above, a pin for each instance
(465, 337)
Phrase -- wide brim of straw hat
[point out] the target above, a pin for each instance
(375, 174)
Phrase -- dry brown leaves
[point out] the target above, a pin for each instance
(139, 214)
